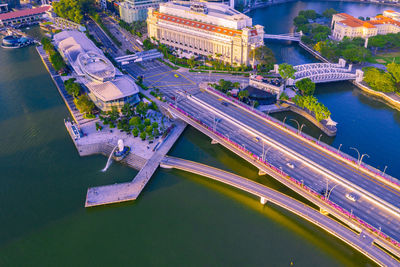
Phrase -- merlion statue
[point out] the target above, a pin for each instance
(120, 145)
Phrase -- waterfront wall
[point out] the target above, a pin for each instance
(308, 116)
(387, 99)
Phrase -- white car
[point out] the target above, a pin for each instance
(290, 165)
(351, 197)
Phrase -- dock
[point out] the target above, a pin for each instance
(116, 193)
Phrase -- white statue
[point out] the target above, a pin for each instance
(120, 145)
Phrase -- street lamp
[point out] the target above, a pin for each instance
(319, 138)
(384, 170)
(301, 128)
(330, 191)
(264, 155)
(298, 124)
(359, 163)
(358, 153)
(339, 147)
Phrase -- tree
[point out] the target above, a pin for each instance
(84, 104)
(73, 9)
(378, 41)
(149, 129)
(72, 87)
(135, 132)
(299, 21)
(309, 14)
(262, 55)
(154, 124)
(361, 18)
(191, 62)
(306, 86)
(143, 135)
(47, 45)
(142, 108)
(243, 94)
(328, 13)
(147, 122)
(135, 121)
(379, 80)
(394, 70)
(57, 61)
(141, 127)
(286, 71)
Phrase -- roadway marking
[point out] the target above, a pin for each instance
(155, 74)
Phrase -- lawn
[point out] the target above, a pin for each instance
(385, 58)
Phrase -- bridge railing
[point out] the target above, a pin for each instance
(292, 180)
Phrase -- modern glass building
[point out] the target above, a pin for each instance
(136, 10)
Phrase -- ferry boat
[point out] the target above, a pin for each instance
(13, 41)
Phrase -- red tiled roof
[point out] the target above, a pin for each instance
(25, 12)
(384, 20)
(353, 22)
(198, 25)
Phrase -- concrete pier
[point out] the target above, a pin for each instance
(108, 194)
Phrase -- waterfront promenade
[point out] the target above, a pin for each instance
(363, 242)
(68, 100)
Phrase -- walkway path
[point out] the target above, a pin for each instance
(362, 242)
(77, 116)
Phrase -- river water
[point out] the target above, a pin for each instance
(181, 219)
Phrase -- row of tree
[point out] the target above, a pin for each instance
(73, 10)
(54, 56)
(311, 103)
(82, 101)
(132, 120)
(137, 27)
(382, 81)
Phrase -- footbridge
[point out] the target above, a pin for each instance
(284, 37)
(326, 72)
(361, 241)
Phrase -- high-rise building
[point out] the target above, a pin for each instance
(135, 10)
(205, 28)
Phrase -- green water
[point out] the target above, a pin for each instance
(181, 219)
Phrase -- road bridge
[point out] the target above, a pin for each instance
(304, 165)
(363, 242)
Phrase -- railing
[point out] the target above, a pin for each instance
(284, 175)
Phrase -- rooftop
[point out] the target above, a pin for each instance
(96, 65)
(25, 12)
(111, 90)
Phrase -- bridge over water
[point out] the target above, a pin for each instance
(325, 72)
(296, 37)
(362, 241)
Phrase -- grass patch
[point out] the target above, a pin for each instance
(385, 58)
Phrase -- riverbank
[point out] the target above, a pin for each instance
(392, 101)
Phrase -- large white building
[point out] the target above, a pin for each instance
(136, 10)
(345, 25)
(107, 86)
(205, 28)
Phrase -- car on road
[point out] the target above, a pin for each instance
(256, 139)
(176, 75)
(290, 165)
(351, 197)
(225, 104)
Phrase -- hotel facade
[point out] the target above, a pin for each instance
(205, 29)
(345, 25)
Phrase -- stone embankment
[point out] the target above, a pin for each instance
(328, 130)
(393, 100)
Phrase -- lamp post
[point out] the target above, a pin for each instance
(384, 170)
(339, 147)
(330, 192)
(298, 124)
(319, 138)
(264, 156)
(362, 156)
(301, 128)
(358, 153)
